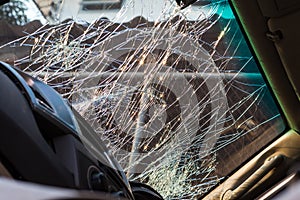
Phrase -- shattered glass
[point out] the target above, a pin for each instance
(175, 94)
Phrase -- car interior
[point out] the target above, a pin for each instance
(269, 28)
(260, 163)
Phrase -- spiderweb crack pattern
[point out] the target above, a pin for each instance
(179, 103)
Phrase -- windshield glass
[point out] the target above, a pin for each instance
(174, 93)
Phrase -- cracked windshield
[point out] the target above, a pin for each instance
(174, 92)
